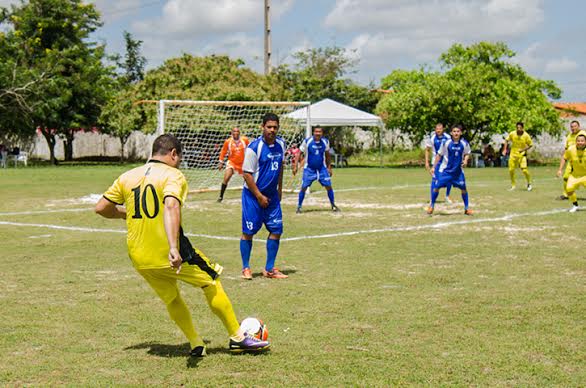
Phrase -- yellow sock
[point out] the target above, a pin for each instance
(527, 175)
(566, 187)
(221, 306)
(512, 175)
(573, 197)
(182, 317)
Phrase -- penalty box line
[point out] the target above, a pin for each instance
(439, 225)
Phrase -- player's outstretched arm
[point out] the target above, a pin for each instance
(427, 154)
(505, 148)
(109, 209)
(562, 165)
(172, 221)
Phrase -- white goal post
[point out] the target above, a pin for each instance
(203, 126)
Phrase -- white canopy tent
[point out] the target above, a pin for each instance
(330, 113)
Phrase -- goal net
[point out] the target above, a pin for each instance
(203, 126)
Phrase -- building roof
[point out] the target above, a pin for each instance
(571, 108)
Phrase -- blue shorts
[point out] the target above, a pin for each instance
(254, 216)
(322, 174)
(443, 180)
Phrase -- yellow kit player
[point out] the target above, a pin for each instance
(520, 143)
(153, 195)
(570, 141)
(576, 158)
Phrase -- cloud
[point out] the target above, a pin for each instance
(562, 65)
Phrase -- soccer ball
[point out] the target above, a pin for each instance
(256, 327)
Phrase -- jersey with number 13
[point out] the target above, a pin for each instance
(143, 191)
(265, 162)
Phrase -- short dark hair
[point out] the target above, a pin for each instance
(270, 117)
(457, 126)
(575, 121)
(581, 135)
(521, 124)
(317, 127)
(438, 124)
(165, 144)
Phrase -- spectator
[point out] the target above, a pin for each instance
(3, 155)
(504, 159)
(489, 156)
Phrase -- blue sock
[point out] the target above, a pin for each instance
(448, 190)
(245, 249)
(431, 190)
(301, 197)
(272, 249)
(434, 195)
(465, 199)
(331, 196)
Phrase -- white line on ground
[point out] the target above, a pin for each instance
(45, 211)
(438, 225)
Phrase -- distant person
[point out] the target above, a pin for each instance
(489, 156)
(153, 195)
(292, 155)
(432, 146)
(261, 196)
(570, 141)
(448, 167)
(520, 143)
(3, 155)
(317, 165)
(575, 155)
(234, 148)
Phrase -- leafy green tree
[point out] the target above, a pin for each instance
(479, 87)
(120, 116)
(321, 73)
(53, 36)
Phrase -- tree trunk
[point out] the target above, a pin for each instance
(50, 137)
(68, 144)
(123, 140)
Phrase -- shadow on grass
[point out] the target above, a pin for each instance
(285, 271)
(182, 350)
(318, 210)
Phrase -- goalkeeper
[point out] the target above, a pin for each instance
(234, 148)
(153, 195)
(520, 143)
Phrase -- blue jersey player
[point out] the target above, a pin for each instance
(432, 145)
(317, 160)
(448, 167)
(261, 195)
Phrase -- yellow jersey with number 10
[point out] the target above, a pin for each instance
(518, 142)
(142, 191)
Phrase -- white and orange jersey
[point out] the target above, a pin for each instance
(235, 150)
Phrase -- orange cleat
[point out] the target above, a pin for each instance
(247, 274)
(429, 210)
(274, 274)
(468, 212)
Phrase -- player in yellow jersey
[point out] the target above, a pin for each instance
(153, 195)
(520, 143)
(575, 155)
(570, 141)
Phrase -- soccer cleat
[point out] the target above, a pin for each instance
(448, 200)
(512, 188)
(198, 351)
(249, 344)
(220, 200)
(298, 211)
(468, 212)
(274, 274)
(247, 274)
(429, 210)
(574, 209)
(335, 209)
(529, 187)
(562, 197)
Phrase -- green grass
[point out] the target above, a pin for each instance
(498, 302)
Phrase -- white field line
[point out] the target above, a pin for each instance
(45, 211)
(439, 225)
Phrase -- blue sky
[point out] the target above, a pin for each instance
(385, 34)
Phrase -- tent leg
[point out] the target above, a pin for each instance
(380, 144)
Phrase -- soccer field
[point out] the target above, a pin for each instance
(378, 295)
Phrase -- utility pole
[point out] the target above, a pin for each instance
(267, 37)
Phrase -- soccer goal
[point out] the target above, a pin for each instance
(203, 126)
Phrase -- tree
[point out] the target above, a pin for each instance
(320, 73)
(53, 35)
(120, 117)
(479, 87)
